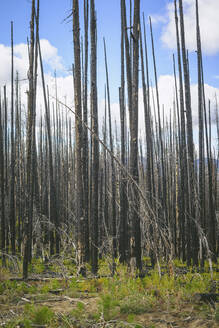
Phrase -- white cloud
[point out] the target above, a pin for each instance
(64, 92)
(166, 86)
(208, 12)
(50, 55)
(21, 62)
(65, 84)
(156, 19)
(166, 94)
(51, 60)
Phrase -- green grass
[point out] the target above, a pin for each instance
(134, 305)
(217, 315)
(108, 306)
(40, 315)
(121, 297)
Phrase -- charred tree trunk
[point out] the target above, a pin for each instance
(113, 181)
(2, 184)
(192, 235)
(135, 201)
(29, 176)
(85, 132)
(95, 144)
(123, 233)
(78, 132)
(183, 205)
(12, 182)
(201, 128)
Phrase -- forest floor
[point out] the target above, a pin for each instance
(55, 296)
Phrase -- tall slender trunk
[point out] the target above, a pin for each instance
(113, 182)
(135, 215)
(212, 219)
(85, 132)
(192, 242)
(95, 144)
(2, 184)
(52, 189)
(183, 150)
(201, 126)
(78, 131)
(123, 237)
(29, 175)
(164, 189)
(12, 182)
(148, 133)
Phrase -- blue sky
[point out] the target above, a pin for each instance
(58, 32)
(60, 48)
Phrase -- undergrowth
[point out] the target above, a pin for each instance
(121, 298)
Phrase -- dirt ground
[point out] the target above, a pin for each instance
(186, 317)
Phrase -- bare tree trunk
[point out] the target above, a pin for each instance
(201, 127)
(95, 144)
(12, 182)
(29, 175)
(183, 206)
(135, 217)
(17, 166)
(163, 189)
(2, 182)
(212, 226)
(192, 238)
(52, 190)
(106, 203)
(78, 132)
(85, 132)
(123, 233)
(148, 134)
(113, 182)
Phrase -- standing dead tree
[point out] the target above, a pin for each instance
(29, 176)
(78, 133)
(95, 145)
